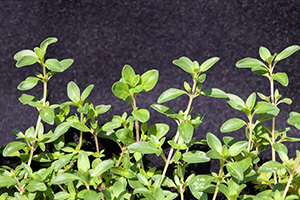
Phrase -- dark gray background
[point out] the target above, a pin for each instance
(103, 36)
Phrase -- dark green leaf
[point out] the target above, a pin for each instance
(121, 90)
(73, 92)
(232, 125)
(149, 80)
(287, 52)
(214, 92)
(170, 94)
(28, 83)
(213, 142)
(195, 157)
(208, 64)
(260, 71)
(185, 64)
(282, 78)
(142, 115)
(186, 131)
(249, 63)
(48, 115)
(102, 167)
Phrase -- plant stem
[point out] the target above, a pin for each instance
(137, 134)
(273, 123)
(96, 142)
(81, 134)
(121, 156)
(170, 155)
(220, 173)
(250, 133)
(181, 192)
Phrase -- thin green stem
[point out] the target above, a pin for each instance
(121, 156)
(181, 192)
(137, 134)
(250, 133)
(218, 182)
(287, 186)
(81, 134)
(96, 142)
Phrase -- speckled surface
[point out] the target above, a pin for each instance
(103, 36)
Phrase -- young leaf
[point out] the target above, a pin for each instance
(83, 163)
(287, 52)
(120, 90)
(12, 149)
(54, 65)
(250, 102)
(170, 94)
(186, 131)
(102, 167)
(264, 53)
(66, 63)
(27, 60)
(236, 102)
(64, 178)
(282, 78)
(208, 64)
(149, 80)
(232, 125)
(213, 142)
(249, 63)
(187, 87)
(128, 74)
(201, 78)
(142, 115)
(60, 130)
(294, 119)
(86, 92)
(47, 42)
(142, 147)
(48, 115)
(28, 83)
(195, 157)
(73, 92)
(185, 64)
(214, 92)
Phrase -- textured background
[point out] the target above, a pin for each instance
(103, 36)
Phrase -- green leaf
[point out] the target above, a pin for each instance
(270, 166)
(208, 64)
(162, 109)
(27, 60)
(282, 151)
(128, 74)
(286, 100)
(121, 90)
(232, 125)
(6, 181)
(86, 92)
(73, 92)
(47, 42)
(142, 115)
(149, 80)
(170, 94)
(125, 135)
(27, 52)
(39, 53)
(201, 78)
(48, 115)
(64, 178)
(237, 148)
(282, 78)
(12, 149)
(54, 65)
(294, 119)
(185, 64)
(80, 126)
(159, 130)
(60, 130)
(34, 186)
(249, 63)
(83, 163)
(214, 92)
(62, 196)
(142, 179)
(102, 167)
(195, 157)
(91, 194)
(136, 90)
(235, 170)
(142, 147)
(213, 142)
(63, 161)
(28, 83)
(66, 63)
(110, 126)
(264, 53)
(250, 102)
(186, 131)
(260, 71)
(264, 107)
(287, 52)
(236, 102)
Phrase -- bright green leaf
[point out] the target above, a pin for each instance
(66, 63)
(235, 170)
(195, 157)
(128, 74)
(142, 115)
(125, 135)
(83, 163)
(26, 60)
(213, 142)
(236, 102)
(86, 92)
(270, 166)
(287, 52)
(282, 78)
(121, 90)
(64, 178)
(264, 53)
(6, 181)
(159, 130)
(47, 42)
(282, 151)
(249, 63)
(102, 167)
(142, 147)
(73, 92)
(12, 149)
(294, 119)
(170, 94)
(54, 65)
(80, 126)
(232, 125)
(208, 64)
(186, 131)
(214, 92)
(34, 186)
(237, 148)
(149, 80)
(185, 64)
(48, 115)
(250, 102)
(28, 83)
